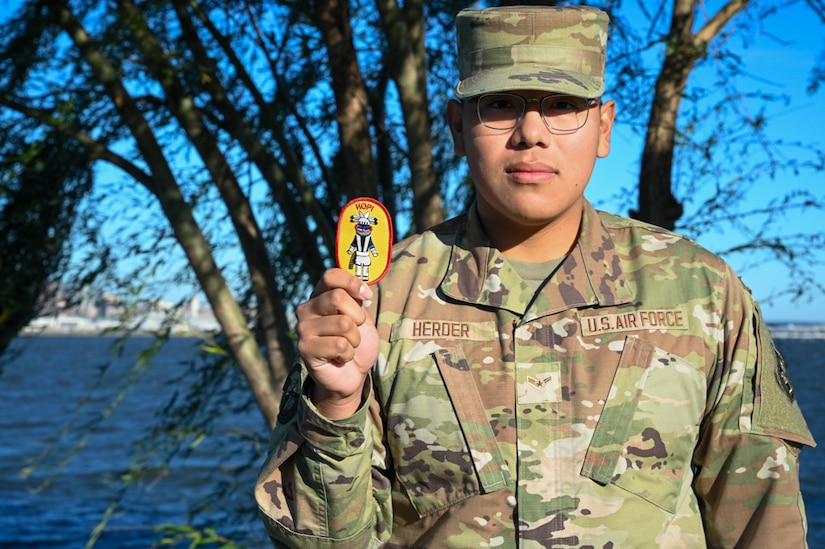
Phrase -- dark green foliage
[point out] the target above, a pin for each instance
(40, 190)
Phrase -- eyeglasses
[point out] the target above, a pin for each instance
(561, 113)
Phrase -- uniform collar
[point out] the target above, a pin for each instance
(591, 275)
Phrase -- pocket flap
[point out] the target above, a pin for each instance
(649, 426)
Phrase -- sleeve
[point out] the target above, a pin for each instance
(322, 483)
(747, 464)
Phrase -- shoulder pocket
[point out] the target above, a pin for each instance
(649, 426)
(775, 409)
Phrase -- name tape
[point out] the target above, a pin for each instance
(655, 319)
(443, 329)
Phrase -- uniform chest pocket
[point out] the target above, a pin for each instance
(646, 434)
(432, 460)
(442, 444)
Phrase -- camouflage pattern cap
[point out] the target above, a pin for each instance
(557, 49)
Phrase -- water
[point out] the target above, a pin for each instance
(805, 359)
(39, 392)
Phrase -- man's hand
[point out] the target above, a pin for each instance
(338, 341)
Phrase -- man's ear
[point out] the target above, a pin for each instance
(607, 113)
(455, 114)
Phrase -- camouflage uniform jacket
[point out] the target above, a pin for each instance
(635, 401)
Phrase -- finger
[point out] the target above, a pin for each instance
(319, 350)
(334, 302)
(328, 350)
(341, 326)
(338, 278)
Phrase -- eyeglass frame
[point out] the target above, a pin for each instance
(527, 100)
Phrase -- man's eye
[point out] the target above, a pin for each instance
(563, 104)
(501, 103)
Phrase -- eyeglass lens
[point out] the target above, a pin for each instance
(562, 113)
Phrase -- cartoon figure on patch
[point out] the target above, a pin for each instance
(365, 251)
(362, 245)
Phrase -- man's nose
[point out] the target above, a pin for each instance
(531, 129)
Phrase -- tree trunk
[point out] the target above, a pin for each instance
(404, 30)
(657, 203)
(161, 182)
(357, 172)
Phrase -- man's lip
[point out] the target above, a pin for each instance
(531, 171)
(530, 167)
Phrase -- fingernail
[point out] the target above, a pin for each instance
(365, 291)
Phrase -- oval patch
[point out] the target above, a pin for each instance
(364, 239)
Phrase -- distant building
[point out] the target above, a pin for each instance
(91, 310)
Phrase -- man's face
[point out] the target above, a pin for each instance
(529, 178)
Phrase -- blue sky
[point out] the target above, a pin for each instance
(781, 67)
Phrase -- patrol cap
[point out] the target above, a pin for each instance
(545, 48)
